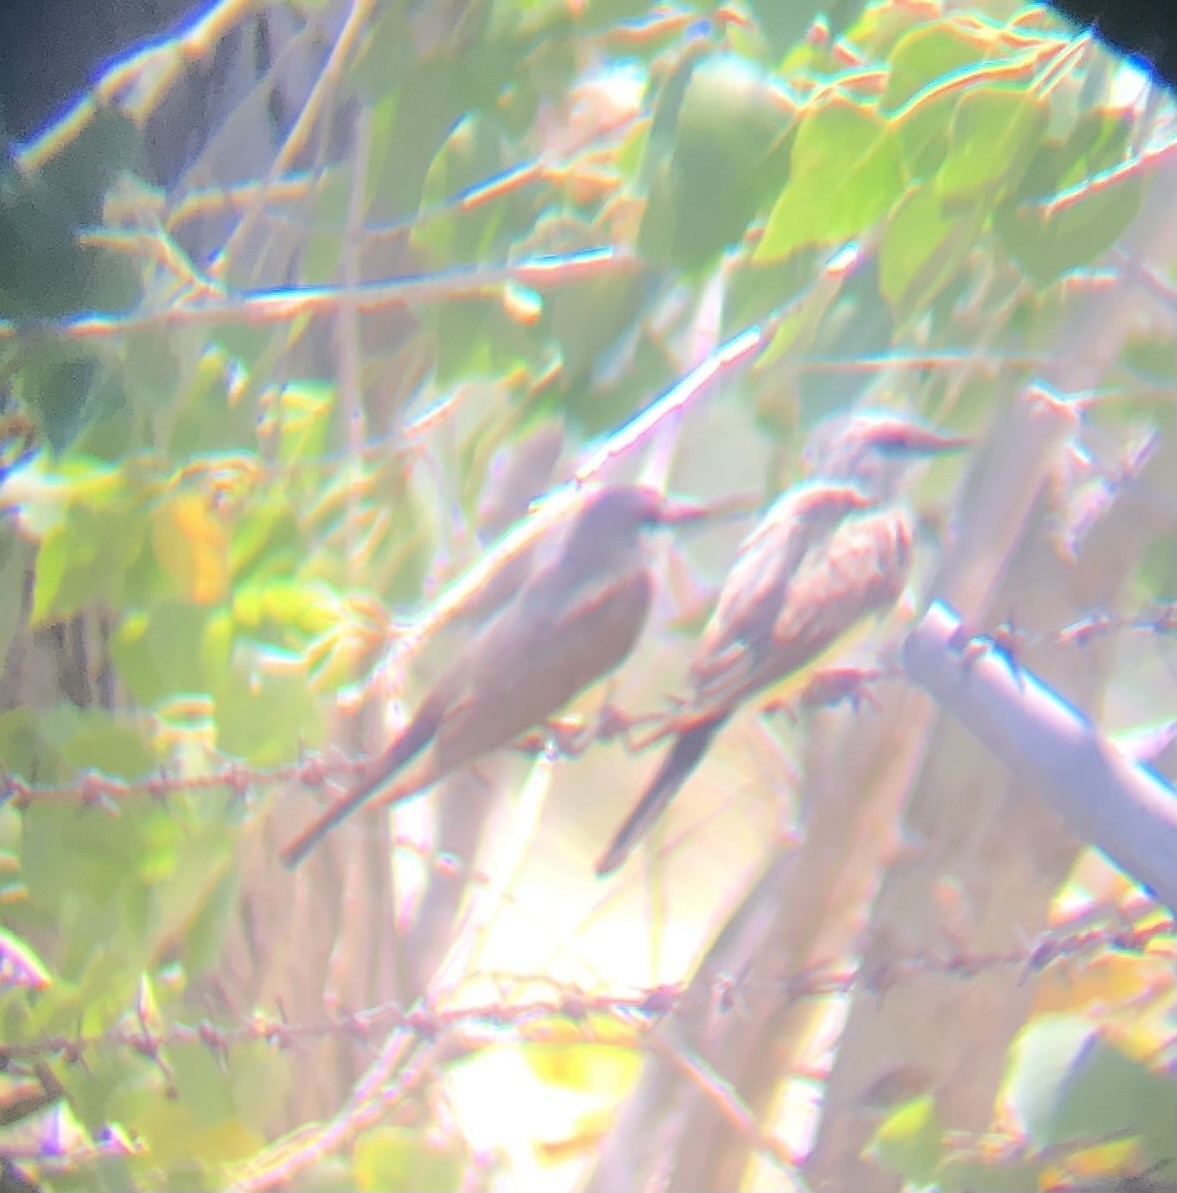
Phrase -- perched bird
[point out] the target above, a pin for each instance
(830, 551)
(874, 449)
(574, 621)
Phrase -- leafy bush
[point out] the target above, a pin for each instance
(258, 422)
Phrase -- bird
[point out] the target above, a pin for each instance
(831, 550)
(575, 620)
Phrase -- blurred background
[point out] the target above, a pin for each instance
(302, 306)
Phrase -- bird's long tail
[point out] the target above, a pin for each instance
(417, 734)
(680, 761)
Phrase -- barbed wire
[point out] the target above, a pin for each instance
(418, 1039)
(593, 1013)
(827, 687)
(1158, 618)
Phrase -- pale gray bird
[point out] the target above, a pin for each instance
(829, 552)
(575, 620)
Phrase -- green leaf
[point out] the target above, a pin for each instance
(286, 604)
(266, 537)
(251, 345)
(378, 72)
(930, 53)
(1048, 243)
(995, 133)
(149, 370)
(729, 156)
(321, 260)
(589, 317)
(97, 875)
(45, 272)
(586, 1068)
(846, 173)
(592, 406)
(477, 338)
(434, 93)
(54, 383)
(88, 159)
(111, 430)
(474, 153)
(260, 1078)
(784, 25)
(216, 407)
(178, 1132)
(52, 561)
(910, 1141)
(922, 132)
(86, 562)
(1070, 1082)
(993, 1176)
(97, 740)
(23, 750)
(204, 935)
(659, 139)
(265, 717)
(192, 877)
(158, 652)
(300, 413)
(923, 250)
(1158, 569)
(387, 1158)
(757, 289)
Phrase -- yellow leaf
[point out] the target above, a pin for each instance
(192, 546)
(589, 1130)
(1111, 981)
(582, 1066)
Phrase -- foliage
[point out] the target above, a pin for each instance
(265, 418)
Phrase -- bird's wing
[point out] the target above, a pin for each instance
(741, 626)
(861, 569)
(539, 653)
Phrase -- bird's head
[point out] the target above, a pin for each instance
(613, 516)
(874, 449)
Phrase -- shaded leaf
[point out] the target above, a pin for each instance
(158, 652)
(1070, 1081)
(1048, 237)
(729, 156)
(923, 249)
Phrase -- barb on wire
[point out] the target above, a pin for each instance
(850, 683)
(528, 1004)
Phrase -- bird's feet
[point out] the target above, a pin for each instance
(831, 686)
(568, 737)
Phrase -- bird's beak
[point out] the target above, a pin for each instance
(916, 440)
(674, 511)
